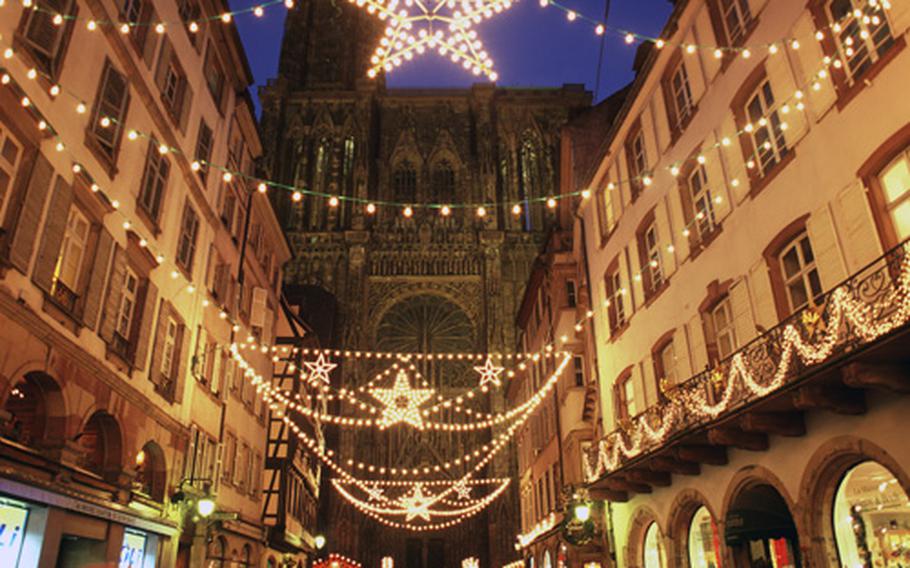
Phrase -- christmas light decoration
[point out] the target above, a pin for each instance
(544, 526)
(416, 504)
(402, 403)
(489, 373)
(320, 369)
(846, 310)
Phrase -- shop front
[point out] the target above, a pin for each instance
(41, 528)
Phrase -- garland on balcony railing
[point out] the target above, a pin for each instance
(871, 304)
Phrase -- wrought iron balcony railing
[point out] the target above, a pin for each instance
(867, 306)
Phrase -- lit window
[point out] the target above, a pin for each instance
(862, 40)
(168, 352)
(724, 333)
(768, 140)
(800, 275)
(652, 251)
(895, 182)
(667, 356)
(702, 202)
(653, 555)
(127, 304)
(69, 261)
(870, 512)
(704, 541)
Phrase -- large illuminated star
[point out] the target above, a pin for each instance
(320, 369)
(489, 373)
(402, 403)
(444, 26)
(417, 504)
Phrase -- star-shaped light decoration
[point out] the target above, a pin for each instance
(489, 373)
(320, 369)
(375, 492)
(417, 504)
(402, 403)
(463, 490)
(415, 26)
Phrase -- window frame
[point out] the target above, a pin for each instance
(187, 238)
(615, 294)
(108, 152)
(153, 186)
(636, 159)
(621, 387)
(48, 60)
(650, 253)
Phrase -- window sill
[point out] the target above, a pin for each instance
(699, 246)
(651, 297)
(123, 363)
(760, 183)
(61, 314)
(107, 163)
(147, 220)
(616, 333)
(846, 93)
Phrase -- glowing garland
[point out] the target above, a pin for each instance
(482, 209)
(844, 310)
(543, 526)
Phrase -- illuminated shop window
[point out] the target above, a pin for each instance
(704, 541)
(872, 518)
(653, 549)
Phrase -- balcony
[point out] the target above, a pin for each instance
(823, 357)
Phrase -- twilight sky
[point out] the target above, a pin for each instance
(530, 46)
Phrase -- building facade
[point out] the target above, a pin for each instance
(133, 253)
(749, 282)
(420, 283)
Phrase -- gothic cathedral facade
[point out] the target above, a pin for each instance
(383, 281)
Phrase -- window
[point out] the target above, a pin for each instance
(110, 112)
(404, 183)
(895, 184)
(578, 367)
(722, 325)
(735, 20)
(189, 12)
(348, 164)
(127, 308)
(653, 553)
(677, 93)
(615, 291)
(606, 213)
(230, 450)
(626, 401)
(637, 161)
(214, 75)
(69, 261)
(768, 141)
(861, 32)
(704, 541)
(869, 516)
(443, 183)
(702, 203)
(650, 252)
(44, 40)
(186, 244)
(172, 83)
(665, 364)
(169, 348)
(799, 273)
(228, 205)
(10, 158)
(571, 295)
(204, 141)
(154, 182)
(138, 13)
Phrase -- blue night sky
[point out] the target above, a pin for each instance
(530, 46)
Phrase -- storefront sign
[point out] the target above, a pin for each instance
(12, 530)
(132, 551)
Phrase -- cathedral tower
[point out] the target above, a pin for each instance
(424, 283)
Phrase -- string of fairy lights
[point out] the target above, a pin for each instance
(846, 310)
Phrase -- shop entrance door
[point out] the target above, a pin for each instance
(760, 532)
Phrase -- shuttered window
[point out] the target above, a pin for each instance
(862, 34)
(154, 181)
(702, 202)
(767, 135)
(204, 141)
(169, 347)
(736, 18)
(10, 158)
(724, 331)
(172, 83)
(69, 261)
(110, 111)
(801, 280)
(651, 245)
(186, 244)
(44, 40)
(127, 304)
(615, 291)
(214, 75)
(681, 94)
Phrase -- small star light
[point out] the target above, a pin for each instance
(443, 26)
(489, 373)
(320, 369)
(375, 492)
(463, 490)
(417, 504)
(402, 403)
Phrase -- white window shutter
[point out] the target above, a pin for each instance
(662, 217)
(857, 227)
(681, 351)
(697, 350)
(732, 152)
(784, 87)
(258, 307)
(810, 58)
(762, 296)
(742, 312)
(823, 238)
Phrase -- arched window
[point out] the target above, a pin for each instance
(321, 163)
(404, 182)
(704, 541)
(35, 406)
(530, 169)
(217, 552)
(151, 473)
(443, 190)
(101, 442)
(348, 164)
(652, 551)
(870, 518)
